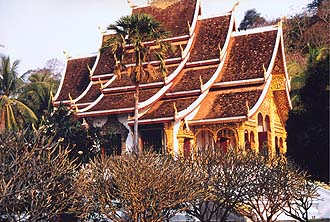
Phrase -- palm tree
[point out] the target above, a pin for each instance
(14, 114)
(134, 30)
(39, 91)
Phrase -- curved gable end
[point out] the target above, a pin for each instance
(75, 79)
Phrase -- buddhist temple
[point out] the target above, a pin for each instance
(224, 87)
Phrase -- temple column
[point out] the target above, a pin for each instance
(240, 133)
(168, 129)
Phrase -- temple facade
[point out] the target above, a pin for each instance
(224, 87)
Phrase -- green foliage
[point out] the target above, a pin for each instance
(251, 19)
(14, 114)
(308, 128)
(39, 90)
(64, 127)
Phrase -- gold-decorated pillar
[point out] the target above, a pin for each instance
(168, 129)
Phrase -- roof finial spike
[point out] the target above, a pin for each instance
(175, 109)
(89, 70)
(247, 105)
(220, 50)
(201, 82)
(72, 102)
(131, 5)
(181, 48)
(102, 29)
(264, 68)
(235, 5)
(67, 55)
(280, 23)
(101, 84)
(189, 26)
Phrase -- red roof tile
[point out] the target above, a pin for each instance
(106, 62)
(247, 55)
(174, 18)
(122, 100)
(219, 104)
(92, 94)
(125, 80)
(212, 32)
(190, 79)
(165, 108)
(76, 77)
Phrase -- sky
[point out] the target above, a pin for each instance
(35, 31)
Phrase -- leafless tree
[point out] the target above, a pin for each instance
(272, 185)
(305, 193)
(224, 177)
(35, 174)
(135, 187)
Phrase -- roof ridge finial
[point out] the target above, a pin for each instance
(72, 102)
(280, 22)
(101, 83)
(102, 29)
(235, 5)
(67, 55)
(265, 70)
(175, 109)
(247, 105)
(181, 50)
(220, 50)
(201, 82)
(89, 70)
(131, 5)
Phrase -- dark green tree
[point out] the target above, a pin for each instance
(308, 128)
(39, 90)
(251, 19)
(65, 128)
(14, 114)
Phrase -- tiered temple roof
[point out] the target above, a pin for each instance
(215, 72)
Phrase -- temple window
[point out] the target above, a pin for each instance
(262, 135)
(277, 148)
(204, 140)
(187, 148)
(267, 124)
(225, 140)
(152, 137)
(111, 144)
(247, 142)
(281, 145)
(252, 141)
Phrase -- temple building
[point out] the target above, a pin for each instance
(224, 87)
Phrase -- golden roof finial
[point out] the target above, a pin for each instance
(220, 50)
(175, 109)
(102, 30)
(201, 82)
(181, 49)
(131, 5)
(264, 68)
(67, 55)
(101, 83)
(247, 105)
(72, 102)
(89, 70)
(235, 5)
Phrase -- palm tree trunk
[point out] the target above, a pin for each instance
(136, 124)
(2, 121)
